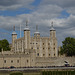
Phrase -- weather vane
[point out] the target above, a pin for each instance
(36, 27)
(52, 23)
(14, 28)
(26, 22)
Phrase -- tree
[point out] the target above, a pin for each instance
(4, 44)
(68, 47)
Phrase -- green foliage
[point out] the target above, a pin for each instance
(58, 73)
(4, 44)
(16, 73)
(68, 47)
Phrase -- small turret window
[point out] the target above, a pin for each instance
(27, 61)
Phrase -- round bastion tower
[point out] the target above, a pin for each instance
(53, 42)
(26, 37)
(14, 37)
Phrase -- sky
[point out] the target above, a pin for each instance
(37, 12)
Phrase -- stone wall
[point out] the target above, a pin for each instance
(55, 61)
(29, 60)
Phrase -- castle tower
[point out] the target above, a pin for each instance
(14, 37)
(37, 34)
(53, 42)
(26, 37)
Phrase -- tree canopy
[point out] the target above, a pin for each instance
(4, 44)
(68, 47)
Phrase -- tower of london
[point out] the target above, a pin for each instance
(43, 46)
(31, 51)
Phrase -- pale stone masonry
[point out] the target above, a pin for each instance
(33, 51)
(44, 46)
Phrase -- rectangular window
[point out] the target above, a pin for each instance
(43, 54)
(48, 48)
(49, 54)
(17, 61)
(37, 47)
(54, 48)
(4, 61)
(48, 43)
(11, 61)
(37, 54)
(27, 61)
(43, 43)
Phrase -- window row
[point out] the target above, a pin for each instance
(43, 48)
(5, 61)
(11, 61)
(42, 43)
(43, 54)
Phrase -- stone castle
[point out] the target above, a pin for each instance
(43, 46)
(33, 51)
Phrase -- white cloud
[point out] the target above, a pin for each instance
(48, 11)
(61, 3)
(68, 5)
(70, 31)
(15, 4)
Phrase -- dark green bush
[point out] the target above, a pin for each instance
(16, 73)
(58, 73)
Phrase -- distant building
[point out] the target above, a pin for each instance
(33, 51)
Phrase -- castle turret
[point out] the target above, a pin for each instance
(14, 37)
(53, 41)
(37, 34)
(27, 36)
(52, 31)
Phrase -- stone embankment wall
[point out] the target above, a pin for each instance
(55, 61)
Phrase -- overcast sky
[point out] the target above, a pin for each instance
(38, 12)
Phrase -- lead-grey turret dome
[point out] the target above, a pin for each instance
(14, 33)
